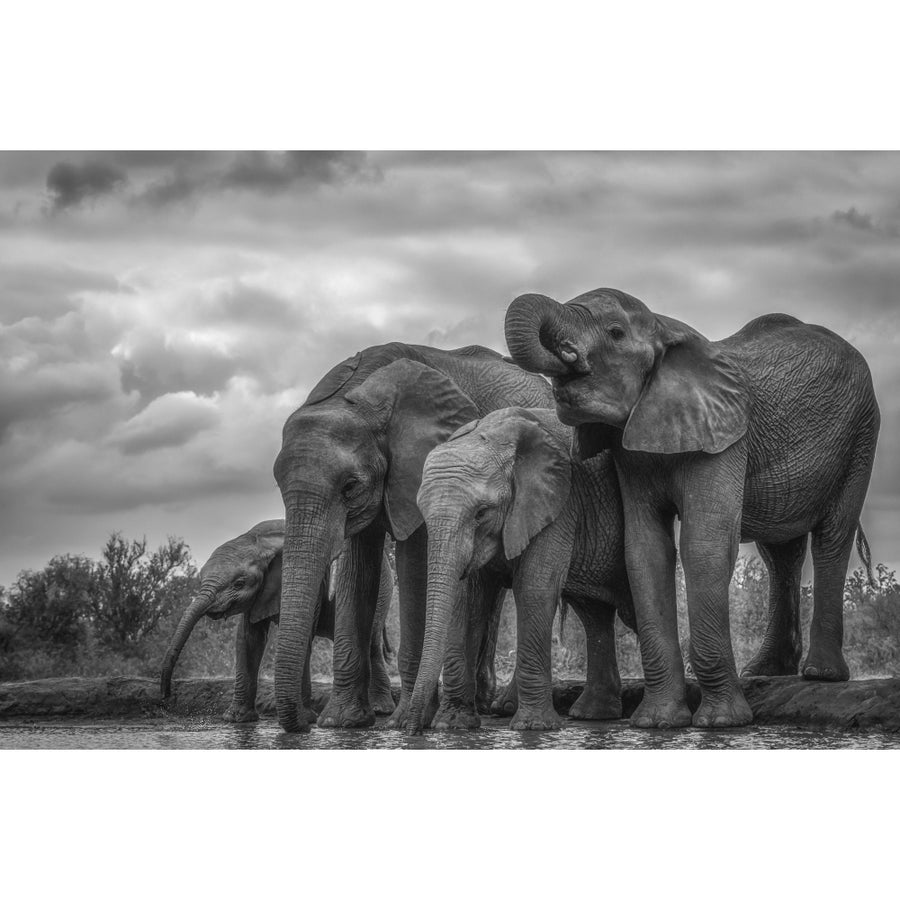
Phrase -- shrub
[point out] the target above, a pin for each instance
(51, 605)
(134, 590)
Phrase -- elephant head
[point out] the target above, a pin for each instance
(485, 494)
(621, 372)
(346, 461)
(243, 575)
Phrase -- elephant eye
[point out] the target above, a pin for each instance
(616, 332)
(239, 582)
(351, 487)
(481, 514)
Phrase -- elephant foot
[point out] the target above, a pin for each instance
(381, 700)
(723, 711)
(540, 718)
(347, 713)
(661, 712)
(455, 716)
(240, 713)
(508, 701)
(772, 663)
(596, 704)
(399, 719)
(822, 665)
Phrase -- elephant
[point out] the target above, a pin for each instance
(503, 496)
(768, 435)
(243, 576)
(349, 469)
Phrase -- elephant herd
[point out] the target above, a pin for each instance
(557, 472)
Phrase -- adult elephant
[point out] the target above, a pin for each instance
(768, 435)
(349, 467)
(243, 577)
(503, 498)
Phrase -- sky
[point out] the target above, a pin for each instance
(162, 313)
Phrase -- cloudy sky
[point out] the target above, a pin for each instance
(161, 314)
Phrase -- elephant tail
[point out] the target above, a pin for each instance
(386, 647)
(865, 553)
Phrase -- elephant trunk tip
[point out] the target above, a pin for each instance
(532, 334)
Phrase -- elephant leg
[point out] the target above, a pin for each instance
(250, 645)
(602, 694)
(486, 676)
(380, 697)
(536, 602)
(412, 584)
(357, 579)
(782, 645)
(832, 544)
(650, 559)
(710, 536)
(507, 702)
(464, 638)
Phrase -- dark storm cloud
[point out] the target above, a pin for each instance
(268, 172)
(170, 421)
(155, 365)
(188, 178)
(853, 218)
(70, 184)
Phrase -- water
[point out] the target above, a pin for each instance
(210, 734)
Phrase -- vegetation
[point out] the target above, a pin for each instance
(115, 616)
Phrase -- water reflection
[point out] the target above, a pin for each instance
(211, 734)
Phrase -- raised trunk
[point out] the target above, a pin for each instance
(446, 564)
(305, 561)
(532, 329)
(189, 619)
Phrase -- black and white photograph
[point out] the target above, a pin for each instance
(449, 382)
(342, 449)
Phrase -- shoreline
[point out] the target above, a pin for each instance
(846, 706)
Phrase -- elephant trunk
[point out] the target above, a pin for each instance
(533, 330)
(305, 561)
(189, 619)
(446, 564)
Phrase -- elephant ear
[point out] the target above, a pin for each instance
(419, 408)
(361, 365)
(465, 429)
(268, 601)
(334, 380)
(541, 475)
(695, 399)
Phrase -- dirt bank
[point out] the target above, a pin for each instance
(849, 705)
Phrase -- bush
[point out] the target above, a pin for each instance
(81, 617)
(51, 605)
(133, 591)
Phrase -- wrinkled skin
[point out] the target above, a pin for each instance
(766, 436)
(243, 577)
(349, 469)
(503, 499)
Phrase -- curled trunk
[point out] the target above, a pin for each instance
(533, 331)
(445, 566)
(305, 561)
(191, 617)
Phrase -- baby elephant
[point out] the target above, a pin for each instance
(244, 576)
(503, 498)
